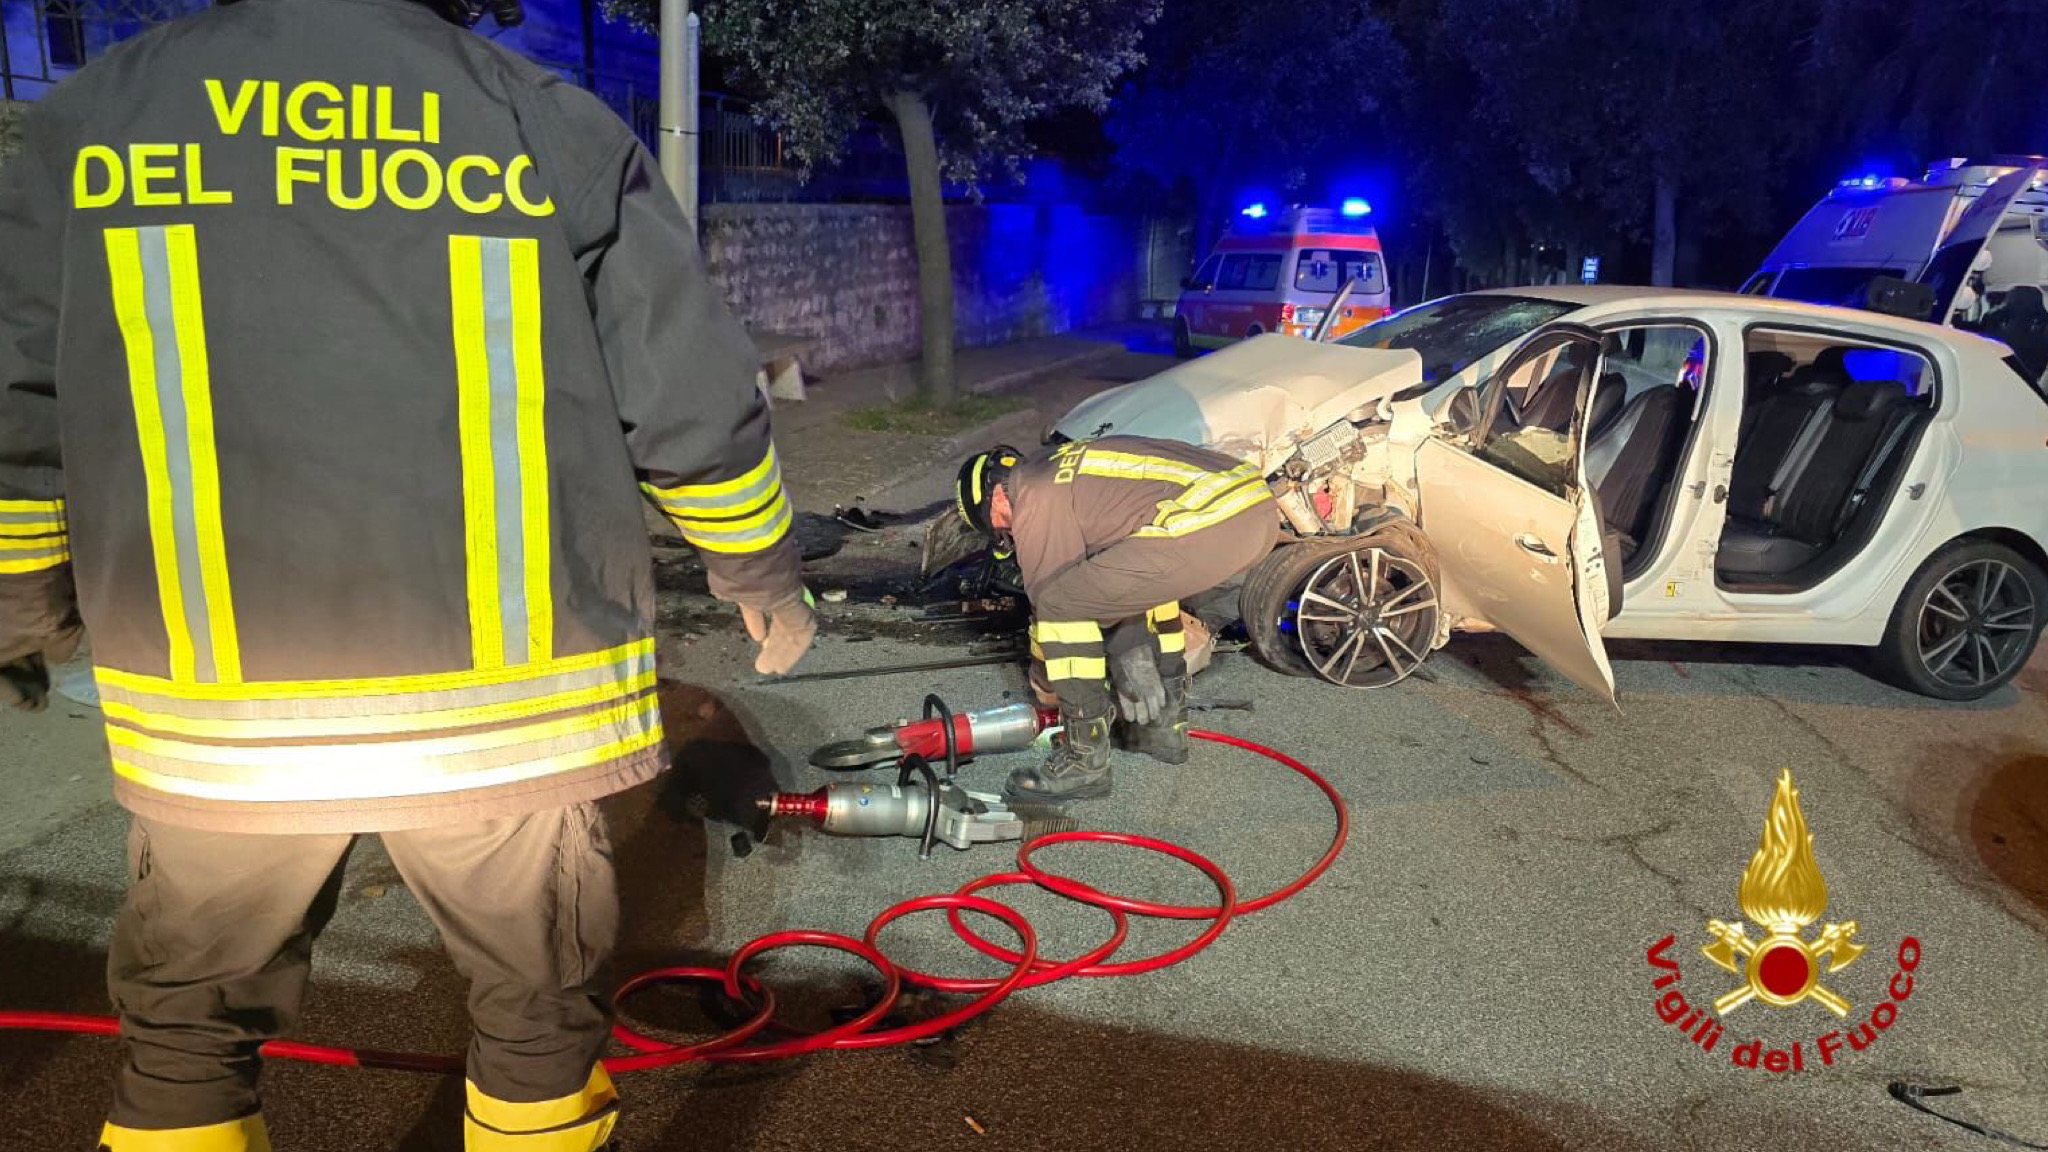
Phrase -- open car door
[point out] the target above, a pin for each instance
(1506, 504)
(1950, 270)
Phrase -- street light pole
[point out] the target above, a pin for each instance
(679, 84)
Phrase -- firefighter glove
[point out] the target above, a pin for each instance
(1140, 693)
(784, 633)
(25, 683)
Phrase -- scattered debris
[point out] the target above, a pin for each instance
(833, 595)
(978, 1129)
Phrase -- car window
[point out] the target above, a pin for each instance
(1253, 273)
(1535, 443)
(1329, 269)
(1781, 359)
(1842, 287)
(1453, 332)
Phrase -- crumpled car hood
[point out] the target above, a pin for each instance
(1255, 400)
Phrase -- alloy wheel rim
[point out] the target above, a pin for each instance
(1976, 624)
(1366, 619)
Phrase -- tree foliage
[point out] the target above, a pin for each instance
(985, 67)
(1235, 95)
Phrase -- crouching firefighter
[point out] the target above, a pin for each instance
(338, 445)
(1111, 535)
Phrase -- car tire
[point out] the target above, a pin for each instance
(1254, 330)
(1271, 605)
(1966, 623)
(1183, 339)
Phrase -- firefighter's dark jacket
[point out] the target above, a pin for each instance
(334, 342)
(1084, 497)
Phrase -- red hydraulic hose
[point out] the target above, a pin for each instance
(1028, 970)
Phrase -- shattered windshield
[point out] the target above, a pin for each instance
(1452, 332)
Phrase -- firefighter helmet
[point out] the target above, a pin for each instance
(978, 480)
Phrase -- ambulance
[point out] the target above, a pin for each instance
(1281, 272)
(1875, 228)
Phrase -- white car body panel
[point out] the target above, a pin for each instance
(1256, 399)
(1981, 464)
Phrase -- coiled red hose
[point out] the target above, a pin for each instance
(1028, 970)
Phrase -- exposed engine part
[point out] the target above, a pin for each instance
(850, 808)
(1328, 447)
(1299, 510)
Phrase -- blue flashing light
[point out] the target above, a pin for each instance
(1867, 180)
(1356, 206)
(1256, 210)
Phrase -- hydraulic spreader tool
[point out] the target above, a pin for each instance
(945, 810)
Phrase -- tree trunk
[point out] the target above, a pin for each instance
(1664, 231)
(934, 258)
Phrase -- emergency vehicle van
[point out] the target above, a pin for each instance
(1280, 272)
(1871, 227)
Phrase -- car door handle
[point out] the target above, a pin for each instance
(1528, 542)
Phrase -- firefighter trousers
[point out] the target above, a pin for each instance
(1134, 588)
(212, 950)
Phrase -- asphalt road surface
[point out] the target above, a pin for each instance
(1472, 974)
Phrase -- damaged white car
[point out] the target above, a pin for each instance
(1567, 464)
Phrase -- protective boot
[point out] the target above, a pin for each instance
(579, 1122)
(1079, 766)
(1165, 739)
(244, 1135)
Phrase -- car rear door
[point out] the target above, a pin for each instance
(1949, 272)
(1511, 516)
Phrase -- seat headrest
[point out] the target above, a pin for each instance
(2024, 300)
(1870, 401)
(1767, 365)
(1818, 376)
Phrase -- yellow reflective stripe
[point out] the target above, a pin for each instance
(369, 780)
(1077, 668)
(479, 484)
(508, 1116)
(533, 449)
(124, 268)
(31, 517)
(1167, 611)
(1066, 632)
(380, 686)
(244, 1135)
(692, 527)
(315, 728)
(189, 319)
(34, 555)
(754, 540)
(1197, 495)
(1129, 466)
(355, 758)
(1180, 522)
(1173, 641)
(725, 496)
(1037, 651)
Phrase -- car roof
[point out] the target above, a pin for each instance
(1622, 295)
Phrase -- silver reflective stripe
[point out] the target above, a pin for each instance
(170, 391)
(388, 699)
(52, 513)
(389, 768)
(506, 489)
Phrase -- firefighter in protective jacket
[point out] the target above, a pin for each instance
(1114, 533)
(333, 343)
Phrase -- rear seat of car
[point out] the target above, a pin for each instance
(1809, 465)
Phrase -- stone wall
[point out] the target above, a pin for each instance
(11, 112)
(846, 274)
